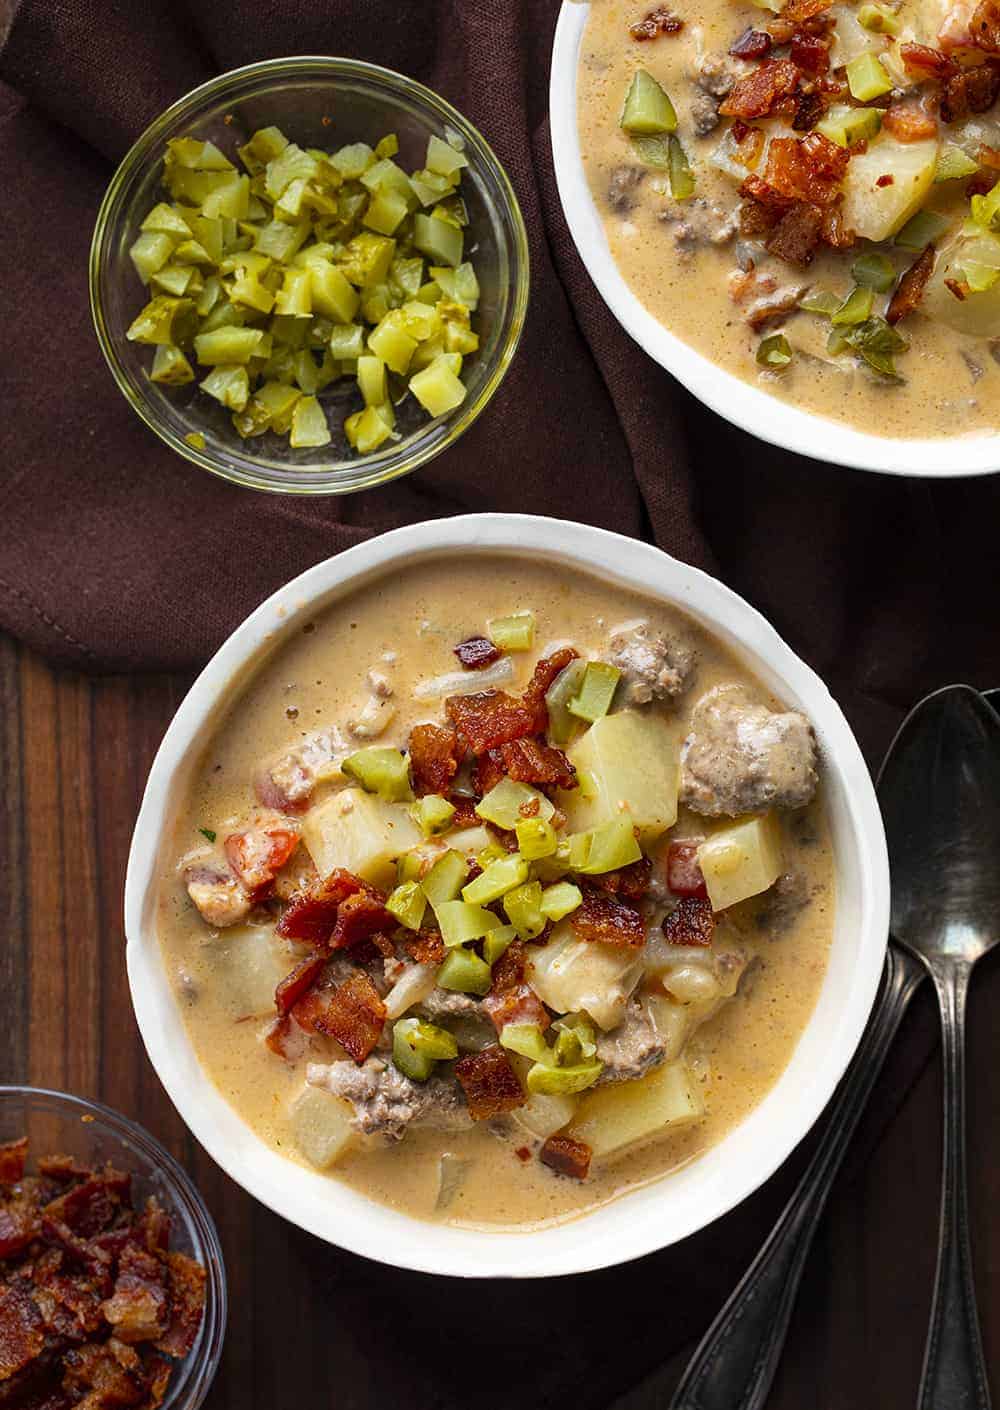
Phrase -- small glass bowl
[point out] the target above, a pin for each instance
(317, 102)
(56, 1123)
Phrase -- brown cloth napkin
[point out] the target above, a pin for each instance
(116, 555)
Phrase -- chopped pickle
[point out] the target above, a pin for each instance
(820, 301)
(877, 343)
(563, 725)
(874, 271)
(923, 229)
(855, 308)
(522, 907)
(867, 78)
(513, 633)
(417, 1046)
(879, 19)
(575, 1039)
(535, 838)
(305, 267)
(408, 904)
(647, 108)
(611, 845)
(432, 814)
(681, 175)
(228, 385)
(774, 351)
(543, 1077)
(195, 440)
(445, 879)
(560, 900)
(986, 209)
(845, 125)
(527, 1040)
(953, 163)
(382, 771)
(497, 941)
(499, 877)
(461, 922)
(653, 151)
(464, 972)
(504, 802)
(597, 690)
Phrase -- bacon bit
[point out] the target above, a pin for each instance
(793, 239)
(566, 1156)
(509, 970)
(186, 1286)
(970, 91)
(797, 12)
(534, 761)
(603, 917)
(352, 1013)
(691, 922)
(741, 281)
(989, 156)
(809, 53)
(476, 652)
(740, 130)
(359, 918)
(756, 95)
(291, 989)
(752, 44)
(520, 1005)
(21, 1334)
(530, 808)
(383, 944)
(18, 1227)
(924, 62)
(312, 915)
(489, 719)
(137, 1309)
(684, 875)
(805, 169)
(544, 674)
(985, 26)
(631, 882)
(750, 144)
(285, 1039)
(523, 1154)
(835, 233)
(657, 22)
(62, 1168)
(490, 1083)
(425, 946)
(271, 795)
(958, 288)
(489, 770)
(809, 108)
(433, 758)
(91, 1206)
(887, 180)
(909, 123)
(979, 185)
(258, 854)
(910, 289)
(12, 1157)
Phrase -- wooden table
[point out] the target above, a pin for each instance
(311, 1325)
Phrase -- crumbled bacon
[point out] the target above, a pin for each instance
(312, 915)
(794, 239)
(798, 12)
(970, 91)
(809, 53)
(12, 1158)
(684, 875)
(510, 968)
(544, 674)
(835, 232)
(757, 94)
(433, 758)
(926, 63)
(61, 1168)
(18, 1227)
(297, 982)
(360, 917)
(476, 652)
(910, 289)
(257, 854)
(21, 1330)
(988, 156)
(752, 44)
(352, 1013)
(137, 1309)
(489, 770)
(657, 22)
(488, 719)
(957, 289)
(603, 917)
(490, 1083)
(535, 761)
(909, 123)
(566, 1156)
(984, 27)
(809, 168)
(425, 946)
(886, 179)
(691, 922)
(630, 883)
(465, 814)
(92, 1205)
(186, 1286)
(511, 1000)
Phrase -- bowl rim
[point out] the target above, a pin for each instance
(382, 467)
(769, 418)
(200, 1373)
(332, 1210)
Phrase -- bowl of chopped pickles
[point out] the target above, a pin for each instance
(309, 275)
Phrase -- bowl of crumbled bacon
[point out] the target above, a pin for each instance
(112, 1287)
(794, 207)
(506, 899)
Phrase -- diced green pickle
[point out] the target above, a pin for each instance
(382, 771)
(499, 877)
(445, 879)
(647, 108)
(432, 814)
(523, 908)
(513, 633)
(408, 904)
(597, 690)
(536, 838)
(465, 973)
(504, 802)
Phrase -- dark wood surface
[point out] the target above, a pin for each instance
(311, 1325)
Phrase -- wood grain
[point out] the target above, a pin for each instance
(310, 1324)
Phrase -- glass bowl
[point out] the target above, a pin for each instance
(57, 1123)
(320, 102)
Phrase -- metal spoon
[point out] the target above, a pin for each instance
(734, 1365)
(946, 910)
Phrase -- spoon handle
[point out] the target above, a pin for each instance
(734, 1366)
(954, 1371)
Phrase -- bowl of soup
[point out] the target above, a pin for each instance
(506, 899)
(822, 174)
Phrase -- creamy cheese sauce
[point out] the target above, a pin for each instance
(406, 626)
(951, 383)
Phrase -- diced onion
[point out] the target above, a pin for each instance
(412, 987)
(465, 682)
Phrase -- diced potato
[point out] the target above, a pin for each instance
(978, 314)
(321, 1126)
(361, 833)
(741, 860)
(631, 762)
(570, 974)
(545, 1113)
(674, 1023)
(251, 963)
(470, 841)
(875, 212)
(614, 1118)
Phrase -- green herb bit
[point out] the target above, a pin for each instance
(536, 838)
(463, 972)
(560, 900)
(382, 771)
(209, 833)
(523, 908)
(445, 879)
(508, 802)
(527, 1040)
(597, 690)
(953, 163)
(681, 175)
(923, 229)
(855, 308)
(417, 1047)
(874, 271)
(408, 904)
(647, 108)
(867, 77)
(774, 351)
(461, 922)
(432, 814)
(513, 633)
(499, 877)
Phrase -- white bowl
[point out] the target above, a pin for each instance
(646, 1219)
(745, 406)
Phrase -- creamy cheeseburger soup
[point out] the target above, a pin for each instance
(807, 193)
(498, 891)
